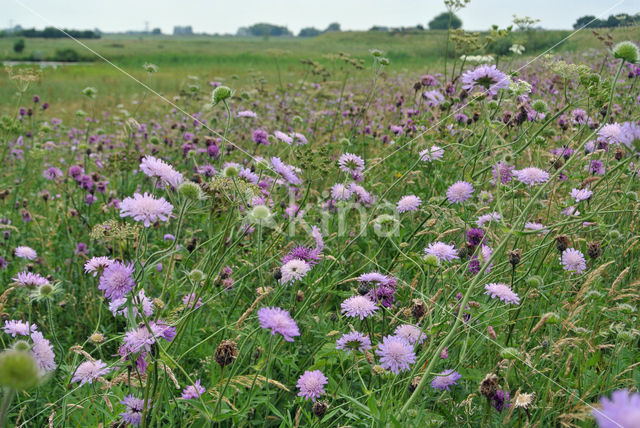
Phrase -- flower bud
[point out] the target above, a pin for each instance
(627, 51)
(190, 190)
(221, 93)
(18, 370)
(226, 353)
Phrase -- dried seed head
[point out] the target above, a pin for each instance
(320, 408)
(489, 385)
(562, 242)
(418, 309)
(594, 249)
(226, 353)
(96, 338)
(414, 383)
(514, 257)
(299, 296)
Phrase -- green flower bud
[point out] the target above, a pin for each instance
(89, 92)
(384, 61)
(539, 106)
(625, 336)
(431, 260)
(627, 51)
(376, 52)
(493, 105)
(540, 140)
(18, 370)
(150, 68)
(552, 318)
(221, 93)
(196, 276)
(534, 281)
(190, 190)
(230, 171)
(21, 345)
(615, 235)
(260, 212)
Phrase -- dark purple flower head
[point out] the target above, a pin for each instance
(261, 136)
(309, 255)
(475, 236)
(503, 172)
(500, 400)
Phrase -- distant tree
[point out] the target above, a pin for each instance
(419, 27)
(18, 46)
(66, 55)
(379, 28)
(268, 30)
(156, 31)
(334, 26)
(309, 32)
(441, 22)
(612, 22)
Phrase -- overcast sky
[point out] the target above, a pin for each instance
(216, 16)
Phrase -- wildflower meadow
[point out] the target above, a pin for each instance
(347, 243)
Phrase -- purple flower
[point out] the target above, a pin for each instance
(25, 253)
(145, 208)
(193, 391)
(19, 328)
(622, 410)
(349, 163)
(261, 137)
(503, 172)
(52, 173)
(294, 270)
(475, 236)
(133, 414)
(409, 203)
(500, 400)
(31, 280)
(141, 338)
(278, 321)
(89, 371)
(154, 167)
(353, 341)
(311, 385)
(573, 260)
(459, 192)
(432, 153)
(283, 137)
(42, 351)
(189, 301)
(358, 306)
(445, 379)
(117, 280)
(97, 264)
(502, 292)
(580, 195)
(531, 176)
(444, 252)
(286, 171)
(486, 78)
(411, 334)
(396, 354)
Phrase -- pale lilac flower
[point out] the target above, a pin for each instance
(503, 172)
(294, 270)
(188, 301)
(444, 252)
(530, 225)
(621, 411)
(486, 78)
(445, 380)
(358, 306)
(19, 328)
(531, 176)
(146, 208)
(133, 414)
(283, 137)
(353, 341)
(115, 306)
(431, 154)
(340, 192)
(350, 163)
(581, 194)
(488, 218)
(278, 321)
(154, 167)
(117, 280)
(89, 371)
(96, 265)
(411, 334)
(573, 260)
(286, 171)
(248, 113)
(42, 351)
(25, 252)
(193, 391)
(141, 338)
(409, 203)
(29, 279)
(396, 354)
(363, 196)
(459, 192)
(311, 385)
(502, 292)
(612, 133)
(300, 138)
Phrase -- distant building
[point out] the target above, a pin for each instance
(182, 31)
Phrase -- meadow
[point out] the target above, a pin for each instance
(344, 231)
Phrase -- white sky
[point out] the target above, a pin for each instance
(216, 16)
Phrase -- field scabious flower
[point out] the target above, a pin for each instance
(445, 380)
(432, 153)
(25, 252)
(581, 194)
(358, 307)
(531, 176)
(411, 334)
(444, 252)
(622, 410)
(42, 351)
(409, 203)
(340, 192)
(502, 292)
(193, 391)
(354, 341)
(493, 217)
(117, 280)
(278, 321)
(286, 171)
(351, 163)
(503, 172)
(96, 265)
(396, 354)
(30, 280)
(294, 270)
(153, 167)
(133, 414)
(146, 208)
(141, 338)
(486, 78)
(311, 385)
(573, 260)
(459, 192)
(19, 328)
(89, 371)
